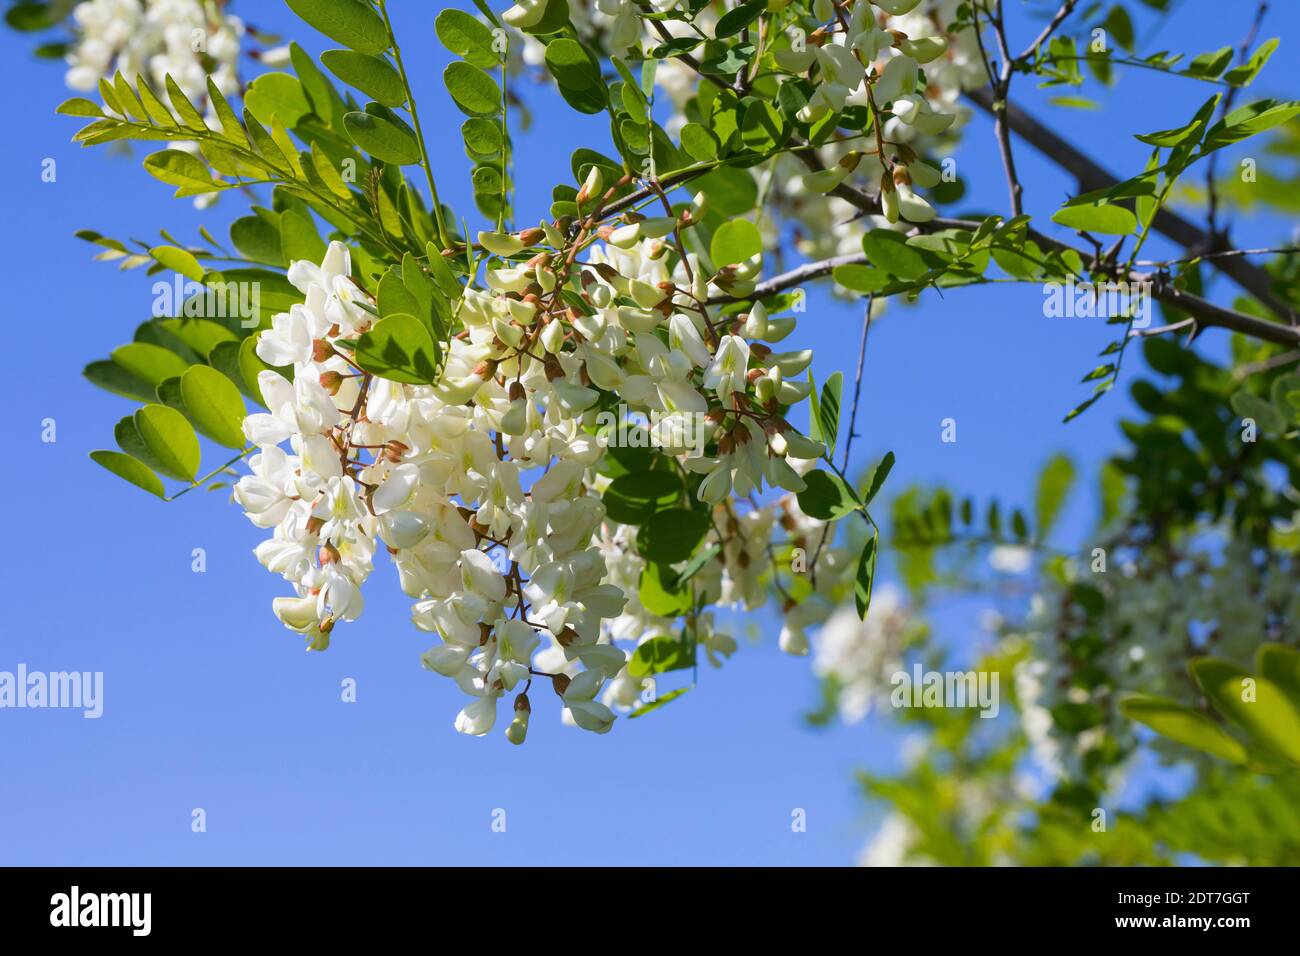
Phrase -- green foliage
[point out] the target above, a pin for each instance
(350, 22)
(1264, 707)
(399, 347)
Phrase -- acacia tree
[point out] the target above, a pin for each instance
(575, 439)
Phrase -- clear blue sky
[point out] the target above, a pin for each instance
(210, 703)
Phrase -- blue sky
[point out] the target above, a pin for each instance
(210, 703)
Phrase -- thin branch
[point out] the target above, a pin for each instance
(999, 88)
(1212, 192)
(415, 121)
(1031, 51)
(1224, 254)
(857, 381)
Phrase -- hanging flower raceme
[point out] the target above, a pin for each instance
(491, 488)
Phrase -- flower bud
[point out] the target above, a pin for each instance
(517, 732)
(554, 237)
(912, 207)
(552, 337)
(777, 329)
(888, 198)
(500, 243)
(799, 446)
(526, 13)
(625, 237)
(923, 174)
(646, 295)
(925, 49)
(824, 180)
(592, 186)
(658, 227)
(515, 420)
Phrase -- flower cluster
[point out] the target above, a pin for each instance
(853, 61)
(928, 113)
(486, 487)
(187, 40)
(1160, 610)
(858, 658)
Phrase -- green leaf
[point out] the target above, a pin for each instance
(860, 278)
(633, 498)
(826, 496)
(1243, 75)
(660, 654)
(298, 236)
(468, 38)
(735, 241)
(1101, 218)
(383, 135)
(79, 106)
(731, 192)
(1054, 484)
(828, 410)
(735, 20)
(877, 480)
(111, 377)
(1266, 713)
(258, 238)
(482, 136)
(577, 76)
(1184, 725)
(200, 335)
(660, 593)
(178, 260)
(178, 168)
(474, 91)
(400, 349)
(274, 95)
(888, 250)
(171, 441)
(372, 75)
(147, 362)
(1246, 121)
(698, 141)
(671, 535)
(214, 405)
(865, 577)
(1280, 665)
(124, 466)
(1263, 413)
(1210, 65)
(351, 22)
(658, 702)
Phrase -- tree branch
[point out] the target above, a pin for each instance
(1090, 175)
(1206, 314)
